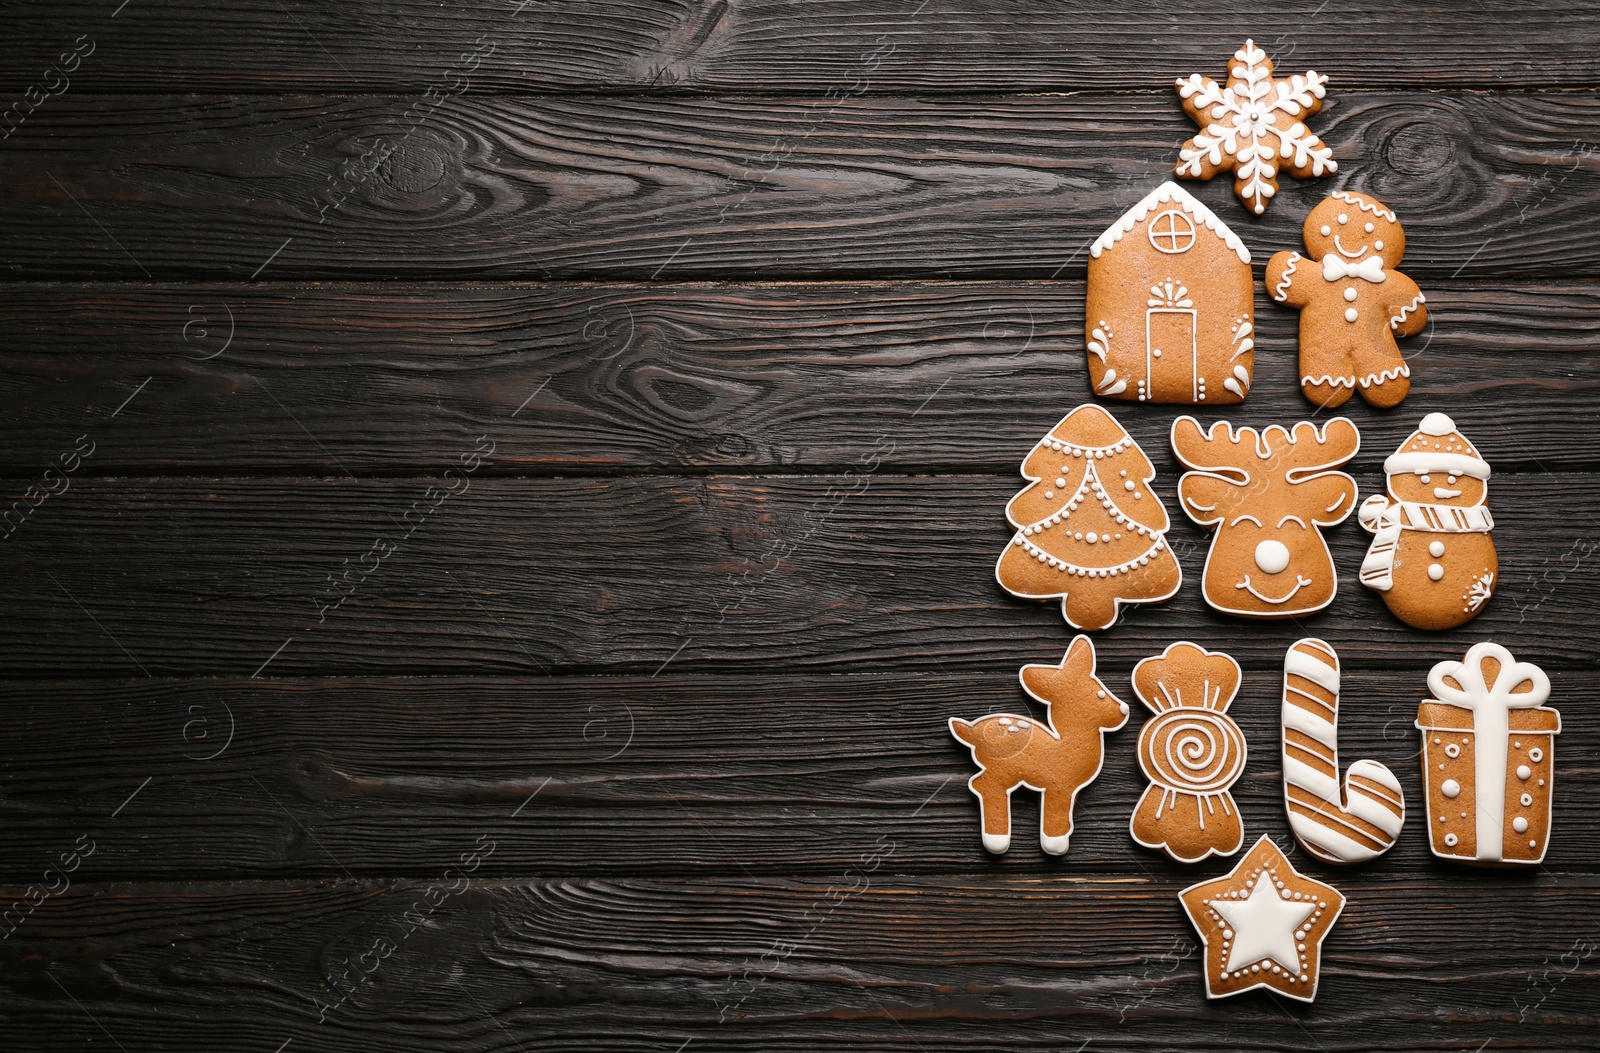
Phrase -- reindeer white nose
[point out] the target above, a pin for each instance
(1272, 556)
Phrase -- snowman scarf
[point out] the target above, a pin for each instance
(1377, 570)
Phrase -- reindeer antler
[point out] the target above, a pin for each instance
(1309, 448)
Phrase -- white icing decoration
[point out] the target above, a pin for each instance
(1436, 549)
(1520, 825)
(1435, 571)
(1264, 927)
(1407, 311)
(1054, 755)
(1281, 292)
(1272, 556)
(1352, 826)
(1351, 314)
(1524, 772)
(1169, 191)
(1526, 800)
(1336, 268)
(1464, 684)
(1243, 126)
(1419, 461)
(1451, 789)
(1350, 294)
(1363, 204)
(1536, 754)
(1451, 840)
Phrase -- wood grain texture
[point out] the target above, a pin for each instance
(769, 45)
(1419, 962)
(675, 774)
(624, 379)
(1496, 186)
(732, 576)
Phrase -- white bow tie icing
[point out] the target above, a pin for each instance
(1334, 268)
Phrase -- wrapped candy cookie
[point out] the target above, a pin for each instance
(1488, 758)
(1432, 559)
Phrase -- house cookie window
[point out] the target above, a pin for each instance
(1172, 232)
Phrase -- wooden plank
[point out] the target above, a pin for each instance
(767, 45)
(648, 188)
(673, 774)
(738, 575)
(1419, 962)
(382, 378)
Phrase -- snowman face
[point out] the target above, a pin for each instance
(1438, 488)
(1346, 229)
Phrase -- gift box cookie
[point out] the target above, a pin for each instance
(1488, 758)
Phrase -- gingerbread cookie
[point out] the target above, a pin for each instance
(1170, 309)
(1090, 531)
(1432, 559)
(1352, 301)
(1268, 494)
(1262, 925)
(1191, 751)
(1251, 125)
(1362, 822)
(1058, 757)
(1489, 758)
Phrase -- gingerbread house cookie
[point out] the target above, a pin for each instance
(1170, 311)
(1488, 758)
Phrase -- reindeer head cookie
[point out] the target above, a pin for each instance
(1267, 494)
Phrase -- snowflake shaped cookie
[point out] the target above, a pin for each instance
(1252, 125)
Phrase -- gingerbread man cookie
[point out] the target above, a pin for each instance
(1090, 531)
(1058, 758)
(1352, 301)
(1251, 125)
(1489, 758)
(1268, 494)
(1191, 751)
(1262, 925)
(1432, 559)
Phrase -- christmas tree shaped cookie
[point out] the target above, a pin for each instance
(1090, 531)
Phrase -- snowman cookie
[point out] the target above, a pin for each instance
(1352, 301)
(1432, 559)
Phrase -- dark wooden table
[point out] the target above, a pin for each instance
(509, 494)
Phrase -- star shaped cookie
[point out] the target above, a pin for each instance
(1262, 925)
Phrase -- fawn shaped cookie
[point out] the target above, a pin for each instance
(1090, 531)
(1058, 757)
(1352, 301)
(1432, 559)
(1251, 125)
(1352, 826)
(1191, 751)
(1268, 494)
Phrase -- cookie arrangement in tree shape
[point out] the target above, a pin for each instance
(1262, 925)
(1268, 495)
(1252, 125)
(1488, 758)
(1362, 822)
(1352, 301)
(1090, 531)
(1432, 559)
(1170, 309)
(1191, 751)
(1058, 758)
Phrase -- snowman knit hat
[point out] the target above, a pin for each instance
(1436, 446)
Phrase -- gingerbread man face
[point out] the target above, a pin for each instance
(1438, 488)
(1354, 226)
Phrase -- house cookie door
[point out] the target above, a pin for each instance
(1171, 355)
